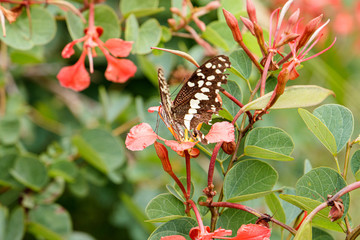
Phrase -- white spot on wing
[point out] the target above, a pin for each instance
(214, 66)
(200, 83)
(222, 59)
(192, 111)
(219, 65)
(218, 71)
(208, 65)
(219, 84)
(208, 83)
(201, 75)
(205, 89)
(201, 96)
(194, 103)
(212, 77)
(190, 84)
(216, 91)
(227, 65)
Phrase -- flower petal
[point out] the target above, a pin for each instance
(118, 47)
(68, 50)
(221, 131)
(140, 137)
(75, 77)
(177, 147)
(253, 232)
(173, 237)
(119, 70)
(153, 109)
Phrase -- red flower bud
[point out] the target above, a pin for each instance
(213, 5)
(228, 147)
(233, 25)
(289, 38)
(248, 24)
(162, 153)
(293, 19)
(310, 28)
(251, 10)
(194, 152)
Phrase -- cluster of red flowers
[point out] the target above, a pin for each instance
(76, 76)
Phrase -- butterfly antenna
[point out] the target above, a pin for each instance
(175, 91)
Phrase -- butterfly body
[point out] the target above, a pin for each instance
(197, 100)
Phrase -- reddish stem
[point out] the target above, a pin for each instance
(198, 216)
(212, 163)
(188, 173)
(232, 98)
(178, 182)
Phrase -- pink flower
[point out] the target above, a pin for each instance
(119, 70)
(140, 137)
(252, 232)
(197, 234)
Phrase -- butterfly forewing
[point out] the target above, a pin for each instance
(198, 99)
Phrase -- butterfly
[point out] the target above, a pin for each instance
(196, 101)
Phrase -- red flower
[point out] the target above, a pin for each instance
(75, 77)
(119, 70)
(252, 232)
(197, 234)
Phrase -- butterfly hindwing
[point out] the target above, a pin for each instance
(198, 99)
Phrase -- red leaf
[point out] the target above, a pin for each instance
(118, 47)
(140, 137)
(119, 70)
(173, 237)
(253, 232)
(76, 76)
(221, 131)
(178, 147)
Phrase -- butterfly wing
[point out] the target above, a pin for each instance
(198, 99)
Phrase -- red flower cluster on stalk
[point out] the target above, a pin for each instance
(77, 77)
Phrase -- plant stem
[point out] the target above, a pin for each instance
(188, 173)
(122, 128)
(337, 164)
(198, 216)
(347, 157)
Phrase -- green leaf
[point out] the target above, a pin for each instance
(269, 143)
(175, 193)
(275, 207)
(16, 225)
(140, 8)
(318, 234)
(184, 182)
(241, 63)
(355, 165)
(100, 149)
(6, 164)
(43, 29)
(181, 226)
(304, 232)
(249, 177)
(320, 219)
(51, 222)
(131, 29)
(232, 219)
(293, 97)
(32, 56)
(148, 68)
(30, 172)
(9, 129)
(234, 89)
(64, 169)
(219, 34)
(51, 193)
(339, 120)
(164, 207)
(319, 129)
(202, 209)
(321, 182)
(251, 196)
(149, 36)
(79, 187)
(233, 6)
(80, 236)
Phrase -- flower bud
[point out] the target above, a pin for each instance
(251, 10)
(289, 38)
(162, 153)
(310, 28)
(292, 20)
(213, 5)
(228, 147)
(172, 23)
(248, 24)
(337, 209)
(233, 25)
(175, 11)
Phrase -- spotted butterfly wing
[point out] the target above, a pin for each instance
(198, 99)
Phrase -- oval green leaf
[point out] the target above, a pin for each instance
(30, 172)
(149, 36)
(234, 89)
(164, 207)
(9, 129)
(140, 8)
(339, 120)
(15, 228)
(318, 234)
(275, 207)
(249, 177)
(304, 232)
(319, 129)
(293, 97)
(241, 63)
(321, 182)
(181, 226)
(269, 143)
